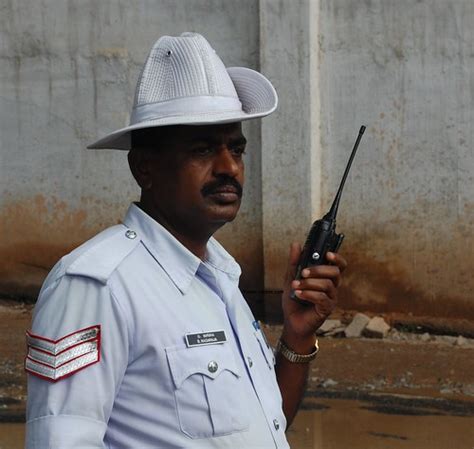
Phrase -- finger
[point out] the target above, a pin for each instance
(321, 271)
(321, 285)
(293, 258)
(324, 272)
(322, 303)
(338, 260)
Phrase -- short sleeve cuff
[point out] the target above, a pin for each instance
(64, 432)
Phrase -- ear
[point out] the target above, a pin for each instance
(140, 166)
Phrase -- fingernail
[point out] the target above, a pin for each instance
(298, 292)
(296, 284)
(305, 273)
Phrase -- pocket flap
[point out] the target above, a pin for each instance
(208, 360)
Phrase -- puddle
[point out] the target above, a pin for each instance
(12, 436)
(343, 424)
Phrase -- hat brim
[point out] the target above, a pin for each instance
(255, 92)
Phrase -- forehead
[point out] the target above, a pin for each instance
(208, 132)
(187, 134)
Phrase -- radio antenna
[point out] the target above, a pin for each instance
(331, 215)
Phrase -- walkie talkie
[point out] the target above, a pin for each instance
(322, 236)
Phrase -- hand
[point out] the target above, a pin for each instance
(318, 287)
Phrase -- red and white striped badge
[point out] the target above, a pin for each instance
(56, 359)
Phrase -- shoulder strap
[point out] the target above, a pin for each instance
(105, 254)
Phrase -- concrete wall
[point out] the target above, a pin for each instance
(404, 68)
(68, 76)
(291, 153)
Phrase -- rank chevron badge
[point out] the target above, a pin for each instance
(55, 359)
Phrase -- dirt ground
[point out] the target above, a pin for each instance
(406, 373)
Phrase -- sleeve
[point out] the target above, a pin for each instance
(72, 411)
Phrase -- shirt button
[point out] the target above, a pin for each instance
(212, 366)
(250, 362)
(130, 234)
(276, 424)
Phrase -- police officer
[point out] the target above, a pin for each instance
(141, 337)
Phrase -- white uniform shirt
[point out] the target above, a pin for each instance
(125, 300)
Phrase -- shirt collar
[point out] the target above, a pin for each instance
(178, 262)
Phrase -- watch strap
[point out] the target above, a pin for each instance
(294, 357)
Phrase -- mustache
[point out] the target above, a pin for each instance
(222, 181)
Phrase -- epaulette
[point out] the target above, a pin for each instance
(100, 256)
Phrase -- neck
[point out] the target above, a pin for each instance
(196, 242)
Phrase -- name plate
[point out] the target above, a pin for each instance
(205, 338)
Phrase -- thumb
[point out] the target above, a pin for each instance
(295, 251)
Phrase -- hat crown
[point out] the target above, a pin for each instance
(184, 82)
(180, 67)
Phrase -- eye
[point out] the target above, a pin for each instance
(238, 150)
(203, 151)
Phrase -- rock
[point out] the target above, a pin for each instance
(394, 335)
(446, 390)
(336, 332)
(8, 309)
(377, 328)
(448, 339)
(425, 337)
(468, 389)
(357, 325)
(328, 326)
(461, 341)
(328, 383)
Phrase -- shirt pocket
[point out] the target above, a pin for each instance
(266, 349)
(208, 390)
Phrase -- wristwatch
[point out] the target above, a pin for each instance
(292, 356)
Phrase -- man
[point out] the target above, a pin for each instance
(141, 337)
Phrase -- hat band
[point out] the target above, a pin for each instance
(184, 106)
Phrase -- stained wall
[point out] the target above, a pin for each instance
(68, 73)
(404, 69)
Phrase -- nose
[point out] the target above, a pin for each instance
(225, 163)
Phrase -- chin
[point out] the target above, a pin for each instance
(224, 214)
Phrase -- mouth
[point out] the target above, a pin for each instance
(225, 194)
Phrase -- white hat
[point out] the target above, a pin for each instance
(184, 82)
